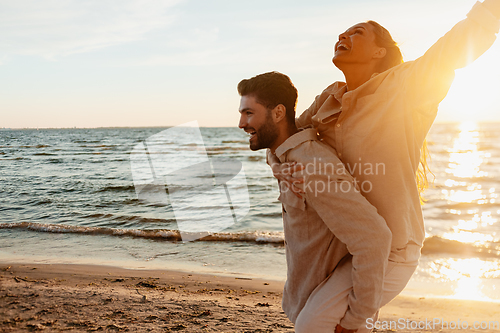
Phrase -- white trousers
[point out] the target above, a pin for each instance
(327, 304)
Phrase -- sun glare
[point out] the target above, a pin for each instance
(465, 166)
(473, 95)
(464, 236)
(465, 162)
(467, 275)
(465, 158)
(469, 272)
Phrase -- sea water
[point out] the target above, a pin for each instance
(68, 196)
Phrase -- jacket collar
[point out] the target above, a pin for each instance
(309, 134)
(338, 89)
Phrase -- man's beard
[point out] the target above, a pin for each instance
(265, 136)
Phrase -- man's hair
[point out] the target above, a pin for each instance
(271, 89)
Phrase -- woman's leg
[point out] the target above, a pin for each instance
(327, 304)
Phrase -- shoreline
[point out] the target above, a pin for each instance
(85, 298)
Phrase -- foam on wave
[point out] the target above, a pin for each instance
(432, 245)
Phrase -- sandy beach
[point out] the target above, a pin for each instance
(84, 298)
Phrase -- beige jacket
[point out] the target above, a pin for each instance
(379, 128)
(331, 221)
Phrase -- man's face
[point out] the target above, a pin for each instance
(256, 120)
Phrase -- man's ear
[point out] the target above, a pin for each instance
(279, 113)
(380, 53)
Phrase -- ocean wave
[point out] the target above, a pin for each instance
(42, 201)
(257, 237)
(27, 146)
(235, 141)
(439, 245)
(432, 246)
(128, 218)
(64, 228)
(17, 159)
(103, 147)
(86, 141)
(117, 188)
(256, 158)
(278, 214)
(226, 148)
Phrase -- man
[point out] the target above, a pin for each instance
(337, 246)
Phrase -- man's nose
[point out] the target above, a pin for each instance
(243, 122)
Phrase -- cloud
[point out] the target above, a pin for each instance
(55, 28)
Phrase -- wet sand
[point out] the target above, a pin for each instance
(84, 298)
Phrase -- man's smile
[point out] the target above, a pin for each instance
(251, 133)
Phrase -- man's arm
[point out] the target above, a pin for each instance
(356, 223)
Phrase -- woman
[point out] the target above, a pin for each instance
(377, 121)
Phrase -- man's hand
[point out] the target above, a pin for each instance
(340, 329)
(284, 173)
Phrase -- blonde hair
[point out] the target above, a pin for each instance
(383, 38)
(422, 171)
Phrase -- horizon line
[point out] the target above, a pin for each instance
(168, 126)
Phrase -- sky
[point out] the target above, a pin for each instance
(103, 63)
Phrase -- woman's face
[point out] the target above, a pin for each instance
(357, 45)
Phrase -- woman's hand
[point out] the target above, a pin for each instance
(284, 173)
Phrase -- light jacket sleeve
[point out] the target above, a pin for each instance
(305, 119)
(271, 159)
(356, 223)
(428, 78)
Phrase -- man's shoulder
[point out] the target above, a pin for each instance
(313, 149)
(318, 158)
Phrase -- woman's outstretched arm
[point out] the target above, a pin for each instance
(428, 79)
(493, 6)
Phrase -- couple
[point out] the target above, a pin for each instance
(353, 239)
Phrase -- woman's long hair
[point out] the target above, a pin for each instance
(383, 38)
(393, 58)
